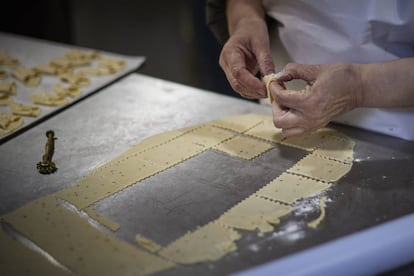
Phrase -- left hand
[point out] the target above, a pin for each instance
(332, 89)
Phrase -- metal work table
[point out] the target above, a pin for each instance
(378, 189)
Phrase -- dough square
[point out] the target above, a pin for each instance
(288, 188)
(255, 213)
(171, 153)
(240, 123)
(154, 141)
(244, 147)
(207, 243)
(206, 136)
(317, 167)
(267, 131)
(308, 141)
(340, 149)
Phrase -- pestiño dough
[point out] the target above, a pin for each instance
(13, 254)
(268, 79)
(146, 243)
(322, 205)
(76, 244)
(288, 188)
(56, 229)
(72, 68)
(208, 243)
(24, 110)
(255, 213)
(9, 123)
(243, 147)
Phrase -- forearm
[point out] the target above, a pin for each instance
(239, 10)
(388, 84)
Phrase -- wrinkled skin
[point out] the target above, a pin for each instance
(331, 90)
(246, 54)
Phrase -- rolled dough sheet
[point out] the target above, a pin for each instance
(77, 245)
(157, 139)
(207, 243)
(289, 188)
(171, 153)
(18, 259)
(244, 147)
(153, 141)
(107, 181)
(255, 213)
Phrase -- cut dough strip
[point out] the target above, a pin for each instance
(111, 225)
(322, 205)
(148, 244)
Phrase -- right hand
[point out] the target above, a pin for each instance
(332, 89)
(246, 53)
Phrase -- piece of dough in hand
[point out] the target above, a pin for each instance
(267, 80)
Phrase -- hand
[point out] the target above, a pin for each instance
(245, 54)
(332, 89)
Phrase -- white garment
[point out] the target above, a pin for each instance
(327, 31)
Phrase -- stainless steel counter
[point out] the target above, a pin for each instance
(379, 187)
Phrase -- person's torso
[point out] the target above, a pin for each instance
(349, 31)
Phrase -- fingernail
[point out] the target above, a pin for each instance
(280, 74)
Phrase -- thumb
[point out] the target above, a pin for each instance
(289, 98)
(293, 71)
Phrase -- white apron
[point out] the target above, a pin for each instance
(367, 31)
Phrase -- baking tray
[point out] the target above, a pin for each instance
(32, 52)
